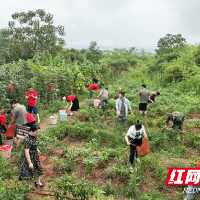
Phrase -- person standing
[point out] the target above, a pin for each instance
(18, 118)
(152, 97)
(104, 97)
(52, 93)
(10, 90)
(30, 167)
(144, 96)
(93, 87)
(133, 139)
(31, 95)
(178, 120)
(122, 107)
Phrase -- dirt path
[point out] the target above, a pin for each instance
(49, 173)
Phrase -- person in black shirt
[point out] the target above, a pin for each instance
(152, 97)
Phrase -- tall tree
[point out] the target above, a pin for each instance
(30, 33)
(169, 46)
(93, 52)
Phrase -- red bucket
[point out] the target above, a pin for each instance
(6, 150)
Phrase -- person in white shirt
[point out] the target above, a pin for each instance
(134, 138)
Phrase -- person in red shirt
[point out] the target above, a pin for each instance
(74, 103)
(91, 88)
(10, 87)
(31, 95)
(2, 124)
(30, 119)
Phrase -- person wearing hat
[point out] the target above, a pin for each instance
(191, 189)
(30, 168)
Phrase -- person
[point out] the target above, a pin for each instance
(119, 89)
(11, 128)
(177, 118)
(52, 91)
(95, 81)
(133, 139)
(74, 103)
(104, 97)
(31, 95)
(10, 90)
(30, 167)
(2, 124)
(30, 119)
(18, 118)
(122, 107)
(144, 97)
(191, 189)
(91, 88)
(152, 97)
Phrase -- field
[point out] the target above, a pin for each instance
(87, 156)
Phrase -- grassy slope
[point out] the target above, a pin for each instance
(93, 147)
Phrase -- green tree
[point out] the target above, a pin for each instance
(94, 53)
(169, 46)
(30, 33)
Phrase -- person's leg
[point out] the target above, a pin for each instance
(30, 109)
(181, 125)
(35, 111)
(1, 143)
(119, 120)
(138, 143)
(132, 153)
(91, 94)
(19, 141)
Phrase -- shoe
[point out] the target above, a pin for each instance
(38, 184)
(71, 114)
(131, 169)
(138, 160)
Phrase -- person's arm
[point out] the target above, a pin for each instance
(71, 104)
(130, 130)
(28, 158)
(35, 97)
(168, 119)
(13, 120)
(127, 140)
(100, 94)
(117, 108)
(150, 99)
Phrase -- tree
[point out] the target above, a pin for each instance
(30, 33)
(94, 53)
(169, 46)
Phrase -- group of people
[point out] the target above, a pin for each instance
(30, 167)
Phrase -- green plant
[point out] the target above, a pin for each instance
(68, 185)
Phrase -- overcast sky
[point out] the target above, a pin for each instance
(115, 22)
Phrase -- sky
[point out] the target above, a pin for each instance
(131, 23)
